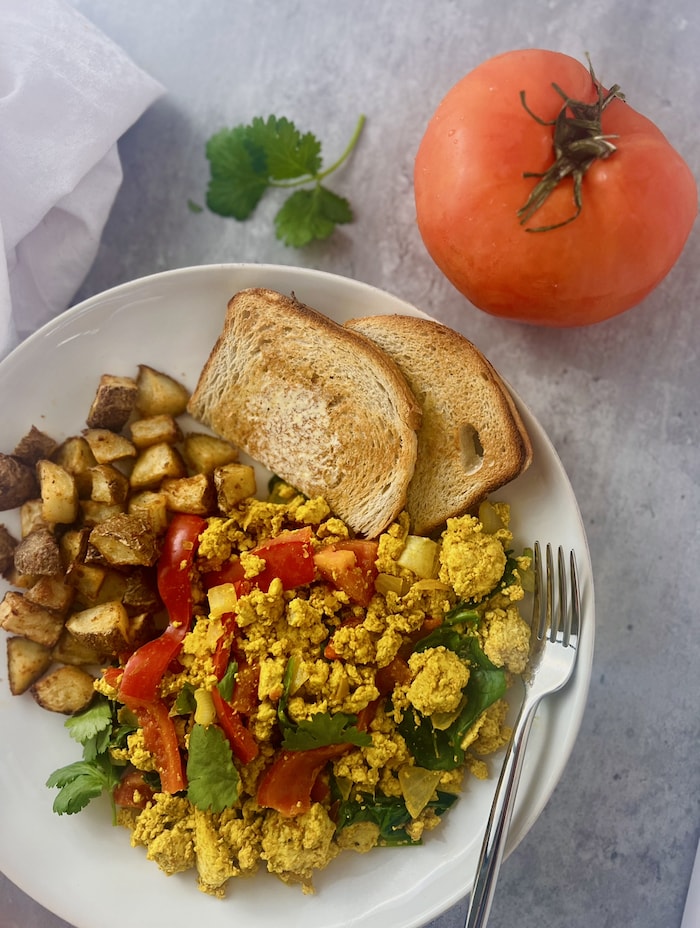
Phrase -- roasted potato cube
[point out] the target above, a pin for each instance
(38, 554)
(73, 546)
(59, 494)
(30, 517)
(141, 594)
(34, 446)
(113, 403)
(66, 690)
(233, 482)
(153, 507)
(190, 494)
(75, 455)
(108, 446)
(155, 429)
(126, 540)
(93, 513)
(17, 482)
(154, 464)
(8, 543)
(87, 581)
(204, 453)
(51, 593)
(104, 628)
(109, 485)
(68, 650)
(159, 393)
(26, 661)
(19, 616)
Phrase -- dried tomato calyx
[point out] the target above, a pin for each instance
(578, 143)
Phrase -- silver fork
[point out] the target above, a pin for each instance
(555, 633)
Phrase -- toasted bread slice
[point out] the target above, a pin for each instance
(318, 404)
(472, 440)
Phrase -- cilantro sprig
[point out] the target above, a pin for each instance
(97, 729)
(248, 160)
(321, 729)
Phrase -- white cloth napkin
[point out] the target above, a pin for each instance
(67, 93)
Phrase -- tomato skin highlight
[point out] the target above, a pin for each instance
(350, 566)
(639, 204)
(288, 783)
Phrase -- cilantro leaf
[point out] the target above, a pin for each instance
(238, 173)
(247, 160)
(82, 781)
(227, 682)
(309, 215)
(211, 774)
(289, 154)
(94, 719)
(323, 729)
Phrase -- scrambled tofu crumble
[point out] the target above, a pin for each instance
(346, 681)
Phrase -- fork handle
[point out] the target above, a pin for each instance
(499, 820)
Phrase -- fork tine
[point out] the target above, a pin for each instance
(575, 599)
(549, 624)
(538, 615)
(564, 611)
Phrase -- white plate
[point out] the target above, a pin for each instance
(80, 867)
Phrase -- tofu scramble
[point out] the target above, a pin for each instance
(333, 686)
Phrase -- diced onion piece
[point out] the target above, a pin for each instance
(527, 579)
(420, 555)
(222, 599)
(204, 713)
(417, 786)
(489, 518)
(386, 583)
(300, 675)
(431, 585)
(442, 720)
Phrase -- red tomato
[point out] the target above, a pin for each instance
(160, 739)
(288, 556)
(287, 785)
(638, 203)
(350, 566)
(132, 791)
(242, 742)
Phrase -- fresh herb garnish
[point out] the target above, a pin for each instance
(96, 728)
(211, 774)
(248, 160)
(321, 729)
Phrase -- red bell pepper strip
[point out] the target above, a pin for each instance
(145, 668)
(243, 744)
(287, 785)
(160, 740)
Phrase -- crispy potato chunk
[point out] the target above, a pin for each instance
(19, 616)
(154, 464)
(75, 455)
(59, 494)
(109, 485)
(155, 429)
(8, 543)
(17, 482)
(69, 650)
(51, 592)
(26, 661)
(34, 446)
(153, 507)
(67, 690)
(159, 394)
(104, 628)
(113, 403)
(38, 554)
(204, 453)
(233, 482)
(190, 494)
(126, 540)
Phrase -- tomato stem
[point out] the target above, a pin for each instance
(578, 143)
